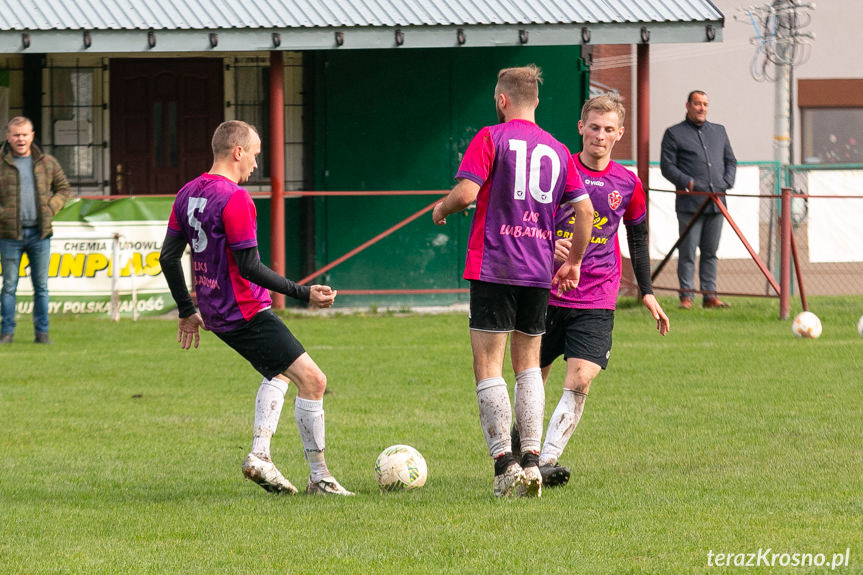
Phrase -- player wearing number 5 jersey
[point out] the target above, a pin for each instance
(217, 218)
(519, 175)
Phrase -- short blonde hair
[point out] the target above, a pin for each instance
(603, 104)
(18, 121)
(231, 134)
(520, 84)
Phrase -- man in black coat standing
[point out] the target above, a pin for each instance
(697, 156)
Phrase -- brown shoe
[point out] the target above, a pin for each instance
(42, 338)
(7, 338)
(715, 302)
(685, 303)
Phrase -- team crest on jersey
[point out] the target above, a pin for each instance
(614, 199)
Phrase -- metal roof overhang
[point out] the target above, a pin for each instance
(141, 41)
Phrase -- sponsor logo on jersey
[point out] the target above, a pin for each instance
(599, 221)
(614, 199)
(597, 183)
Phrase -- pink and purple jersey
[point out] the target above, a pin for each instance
(524, 174)
(616, 194)
(215, 216)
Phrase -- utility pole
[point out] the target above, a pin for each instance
(779, 40)
(782, 150)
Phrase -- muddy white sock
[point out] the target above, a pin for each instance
(309, 414)
(495, 414)
(563, 422)
(268, 409)
(530, 408)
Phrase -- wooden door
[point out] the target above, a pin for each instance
(163, 113)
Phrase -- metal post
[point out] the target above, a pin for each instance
(115, 278)
(785, 255)
(781, 150)
(277, 171)
(643, 131)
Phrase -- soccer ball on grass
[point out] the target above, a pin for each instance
(400, 467)
(807, 325)
(860, 326)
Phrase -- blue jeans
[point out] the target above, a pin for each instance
(39, 253)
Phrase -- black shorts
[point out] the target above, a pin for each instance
(577, 333)
(266, 343)
(504, 308)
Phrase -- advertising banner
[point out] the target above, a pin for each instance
(91, 239)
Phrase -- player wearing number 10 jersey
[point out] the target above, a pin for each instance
(519, 175)
(512, 234)
(216, 217)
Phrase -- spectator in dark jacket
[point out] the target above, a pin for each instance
(33, 188)
(697, 156)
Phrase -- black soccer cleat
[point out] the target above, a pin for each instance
(554, 475)
(515, 440)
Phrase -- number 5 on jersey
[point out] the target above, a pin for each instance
(199, 243)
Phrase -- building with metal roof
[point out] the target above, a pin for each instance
(122, 26)
(359, 95)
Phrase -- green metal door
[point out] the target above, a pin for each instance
(400, 120)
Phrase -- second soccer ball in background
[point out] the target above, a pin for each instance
(806, 325)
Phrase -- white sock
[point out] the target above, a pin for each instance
(309, 414)
(530, 408)
(561, 425)
(268, 409)
(514, 414)
(495, 414)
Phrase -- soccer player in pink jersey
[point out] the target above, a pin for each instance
(216, 217)
(519, 175)
(579, 322)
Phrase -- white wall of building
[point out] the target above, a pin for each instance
(744, 105)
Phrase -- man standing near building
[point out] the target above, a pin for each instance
(519, 175)
(33, 188)
(697, 156)
(217, 218)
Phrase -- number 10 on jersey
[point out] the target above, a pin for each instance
(532, 183)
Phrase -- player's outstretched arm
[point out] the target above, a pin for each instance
(662, 323)
(322, 296)
(460, 197)
(251, 268)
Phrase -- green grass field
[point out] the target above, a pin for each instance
(120, 453)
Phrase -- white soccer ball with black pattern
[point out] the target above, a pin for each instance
(806, 325)
(400, 467)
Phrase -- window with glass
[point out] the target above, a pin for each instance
(832, 135)
(831, 120)
(252, 104)
(72, 122)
